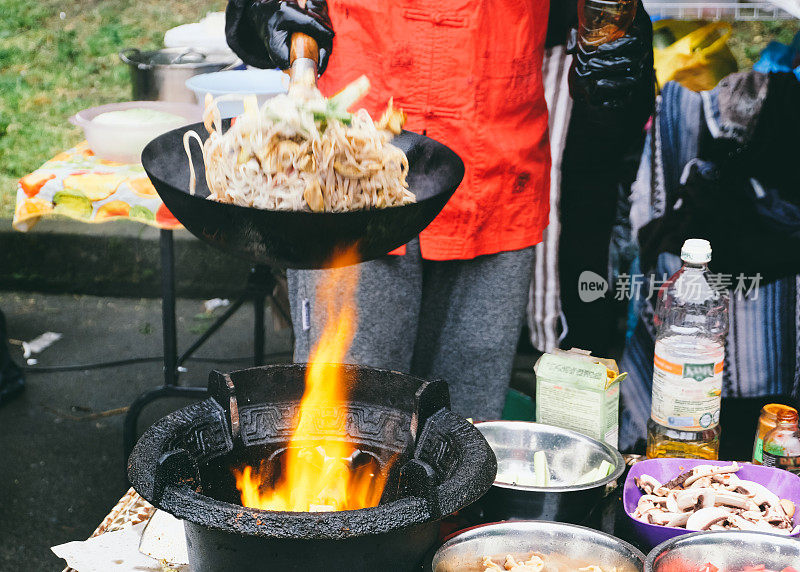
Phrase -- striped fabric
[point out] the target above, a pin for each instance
(763, 343)
(544, 301)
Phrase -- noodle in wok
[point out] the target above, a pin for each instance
(304, 154)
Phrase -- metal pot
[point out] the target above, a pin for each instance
(557, 541)
(160, 75)
(569, 454)
(727, 550)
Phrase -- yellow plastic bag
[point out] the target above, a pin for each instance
(697, 60)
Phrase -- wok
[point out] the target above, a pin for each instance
(298, 239)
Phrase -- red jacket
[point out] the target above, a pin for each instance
(469, 74)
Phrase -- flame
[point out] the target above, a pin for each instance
(320, 469)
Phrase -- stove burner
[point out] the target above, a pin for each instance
(439, 464)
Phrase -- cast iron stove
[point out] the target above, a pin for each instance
(439, 464)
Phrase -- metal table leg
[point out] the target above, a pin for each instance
(258, 311)
(170, 340)
(168, 320)
(259, 289)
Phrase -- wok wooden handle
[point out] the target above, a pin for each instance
(303, 45)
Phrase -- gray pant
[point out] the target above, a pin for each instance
(457, 320)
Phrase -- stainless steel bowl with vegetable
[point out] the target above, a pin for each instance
(549, 546)
(546, 473)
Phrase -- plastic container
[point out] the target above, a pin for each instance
(766, 423)
(725, 10)
(603, 21)
(208, 34)
(124, 143)
(264, 84)
(782, 483)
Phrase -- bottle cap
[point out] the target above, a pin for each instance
(696, 251)
(771, 410)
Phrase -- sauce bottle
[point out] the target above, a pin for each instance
(603, 21)
(766, 423)
(782, 444)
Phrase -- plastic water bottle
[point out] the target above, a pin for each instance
(602, 21)
(691, 325)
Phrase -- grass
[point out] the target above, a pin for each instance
(750, 38)
(57, 58)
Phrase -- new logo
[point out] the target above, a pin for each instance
(591, 286)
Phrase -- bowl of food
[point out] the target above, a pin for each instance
(730, 551)
(546, 473)
(672, 497)
(264, 84)
(120, 131)
(539, 545)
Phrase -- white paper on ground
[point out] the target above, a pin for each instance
(164, 539)
(116, 551)
(211, 305)
(39, 343)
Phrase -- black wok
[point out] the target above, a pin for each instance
(296, 239)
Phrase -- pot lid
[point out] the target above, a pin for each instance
(181, 56)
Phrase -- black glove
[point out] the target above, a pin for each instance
(615, 81)
(260, 31)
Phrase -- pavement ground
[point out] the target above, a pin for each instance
(61, 459)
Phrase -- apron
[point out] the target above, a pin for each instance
(468, 73)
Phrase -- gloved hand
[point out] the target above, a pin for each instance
(260, 31)
(615, 81)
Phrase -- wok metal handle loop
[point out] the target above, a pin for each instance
(197, 55)
(128, 56)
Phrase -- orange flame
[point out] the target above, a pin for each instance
(317, 472)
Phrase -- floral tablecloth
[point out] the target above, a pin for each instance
(79, 185)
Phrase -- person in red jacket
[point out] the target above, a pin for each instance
(450, 304)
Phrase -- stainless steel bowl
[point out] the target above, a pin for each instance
(569, 454)
(728, 551)
(582, 546)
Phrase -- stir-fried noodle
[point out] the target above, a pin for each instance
(301, 154)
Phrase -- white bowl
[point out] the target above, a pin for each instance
(124, 143)
(264, 84)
